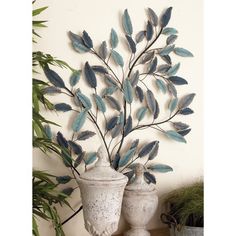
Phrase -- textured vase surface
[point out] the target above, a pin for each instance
(139, 204)
(102, 191)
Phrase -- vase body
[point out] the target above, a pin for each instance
(102, 191)
(139, 204)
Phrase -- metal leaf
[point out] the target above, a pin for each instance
(139, 93)
(100, 103)
(116, 130)
(85, 135)
(87, 40)
(53, 77)
(186, 111)
(84, 100)
(114, 39)
(117, 58)
(177, 80)
(128, 91)
(172, 90)
(184, 132)
(180, 126)
(134, 78)
(77, 149)
(165, 18)
(147, 148)
(183, 52)
(153, 66)
(75, 77)
(126, 22)
(90, 75)
(150, 177)
(140, 36)
(153, 17)
(154, 151)
(149, 31)
(63, 179)
(147, 57)
(111, 123)
(102, 51)
(79, 121)
(151, 102)
(99, 69)
(166, 50)
(141, 113)
(175, 136)
(115, 162)
(169, 31)
(61, 140)
(79, 159)
(113, 103)
(171, 39)
(161, 168)
(62, 107)
(128, 126)
(131, 43)
(157, 110)
(161, 85)
(173, 104)
(186, 100)
(90, 158)
(127, 157)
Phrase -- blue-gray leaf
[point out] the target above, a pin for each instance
(53, 77)
(117, 58)
(175, 136)
(183, 52)
(115, 162)
(140, 36)
(153, 17)
(78, 43)
(173, 70)
(163, 68)
(85, 135)
(87, 40)
(127, 157)
(111, 123)
(108, 91)
(116, 130)
(150, 178)
(114, 39)
(151, 102)
(147, 57)
(63, 179)
(186, 100)
(100, 103)
(99, 69)
(177, 80)
(128, 91)
(161, 168)
(154, 151)
(90, 158)
(61, 140)
(146, 149)
(165, 18)
(184, 132)
(51, 90)
(113, 103)
(134, 78)
(153, 66)
(186, 111)
(128, 126)
(134, 144)
(149, 31)
(172, 90)
(131, 43)
(79, 159)
(139, 93)
(102, 51)
(90, 75)
(171, 39)
(48, 131)
(77, 149)
(62, 107)
(84, 100)
(141, 113)
(75, 77)
(180, 126)
(173, 104)
(157, 110)
(166, 50)
(161, 85)
(79, 121)
(126, 22)
(169, 31)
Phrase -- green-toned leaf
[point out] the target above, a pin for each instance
(100, 103)
(149, 31)
(169, 31)
(114, 39)
(90, 75)
(90, 158)
(173, 104)
(153, 17)
(127, 157)
(184, 132)
(68, 191)
(161, 168)
(53, 77)
(173, 70)
(111, 123)
(146, 149)
(128, 91)
(165, 18)
(85, 135)
(84, 100)
(186, 100)
(38, 11)
(128, 126)
(151, 101)
(183, 52)
(141, 113)
(61, 140)
(62, 107)
(63, 179)
(79, 121)
(79, 159)
(172, 90)
(140, 36)
(77, 149)
(171, 39)
(153, 66)
(139, 93)
(186, 111)
(102, 51)
(87, 40)
(126, 22)
(177, 80)
(166, 50)
(48, 131)
(134, 78)
(150, 177)
(154, 151)
(117, 58)
(175, 136)
(147, 57)
(161, 85)
(131, 43)
(75, 77)
(113, 103)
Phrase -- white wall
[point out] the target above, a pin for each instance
(97, 18)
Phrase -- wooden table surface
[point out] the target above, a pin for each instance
(157, 232)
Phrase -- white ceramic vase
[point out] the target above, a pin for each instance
(139, 204)
(102, 191)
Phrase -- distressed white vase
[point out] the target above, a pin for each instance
(102, 191)
(139, 204)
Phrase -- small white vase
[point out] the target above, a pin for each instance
(102, 191)
(139, 204)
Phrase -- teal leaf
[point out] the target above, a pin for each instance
(48, 131)
(90, 158)
(183, 52)
(108, 91)
(171, 39)
(62, 107)
(113, 103)
(117, 58)
(165, 18)
(100, 103)
(161, 168)
(184, 132)
(126, 22)
(154, 151)
(153, 66)
(111, 123)
(180, 126)
(169, 31)
(166, 50)
(151, 102)
(175, 136)
(139, 93)
(146, 149)
(173, 70)
(134, 78)
(141, 113)
(153, 17)
(134, 144)
(186, 100)
(84, 100)
(173, 104)
(90, 75)
(161, 85)
(177, 80)
(102, 51)
(53, 77)
(128, 126)
(75, 77)
(172, 90)
(131, 43)
(121, 118)
(85, 135)
(140, 36)
(79, 159)
(150, 178)
(77, 149)
(109, 80)
(87, 40)
(63, 179)
(128, 91)
(127, 157)
(79, 121)
(149, 31)
(186, 111)
(78, 43)
(114, 39)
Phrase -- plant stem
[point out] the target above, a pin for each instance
(74, 214)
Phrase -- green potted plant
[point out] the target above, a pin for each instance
(185, 215)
